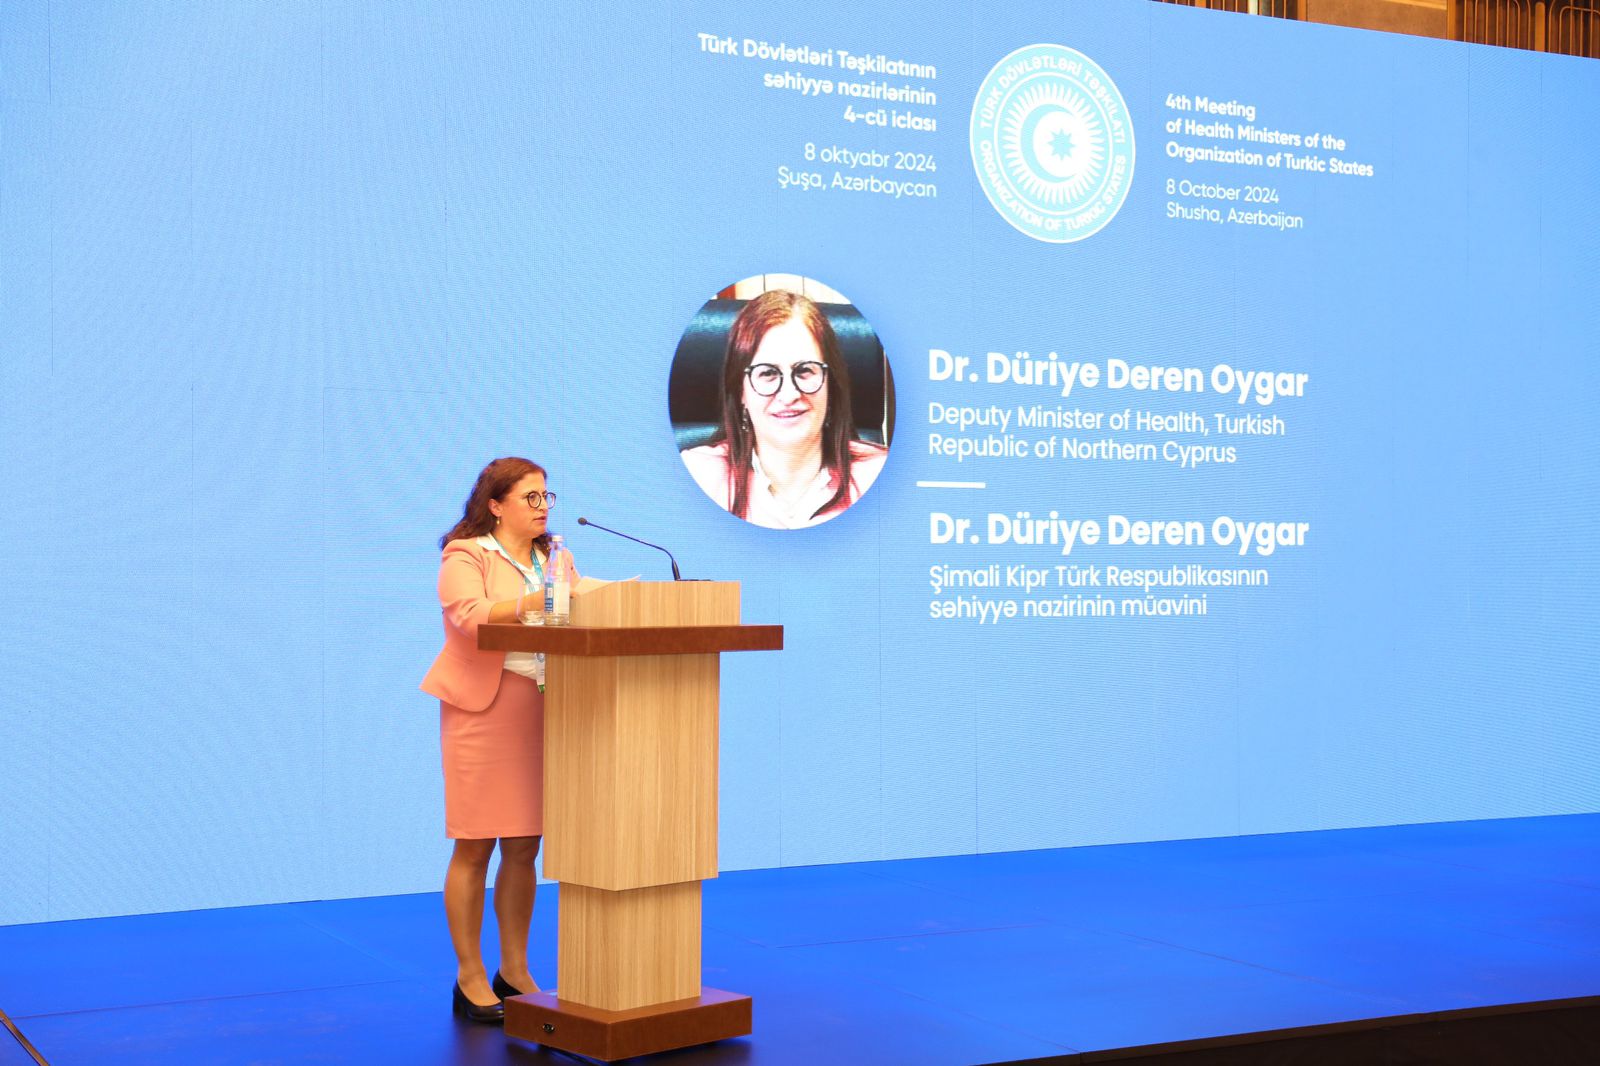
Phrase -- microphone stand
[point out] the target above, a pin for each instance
(675, 575)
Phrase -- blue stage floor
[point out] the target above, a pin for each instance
(952, 960)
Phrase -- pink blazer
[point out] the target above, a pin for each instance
(471, 581)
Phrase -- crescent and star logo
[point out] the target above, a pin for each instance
(1052, 143)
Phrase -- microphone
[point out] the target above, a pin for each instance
(675, 575)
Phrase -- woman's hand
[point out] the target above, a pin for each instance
(529, 604)
(507, 611)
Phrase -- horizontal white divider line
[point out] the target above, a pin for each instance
(952, 485)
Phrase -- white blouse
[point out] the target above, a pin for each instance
(526, 663)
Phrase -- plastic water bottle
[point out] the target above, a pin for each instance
(533, 611)
(557, 583)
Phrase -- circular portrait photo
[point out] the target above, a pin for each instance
(781, 401)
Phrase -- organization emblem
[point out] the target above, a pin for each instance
(1052, 143)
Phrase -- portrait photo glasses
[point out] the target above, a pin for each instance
(766, 378)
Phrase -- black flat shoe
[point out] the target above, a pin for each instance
(461, 1005)
(505, 989)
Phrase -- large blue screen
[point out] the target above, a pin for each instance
(1264, 497)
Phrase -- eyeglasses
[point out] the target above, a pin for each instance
(766, 379)
(537, 500)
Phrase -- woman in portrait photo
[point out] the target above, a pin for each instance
(786, 454)
(491, 725)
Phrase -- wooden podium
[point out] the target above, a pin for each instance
(630, 814)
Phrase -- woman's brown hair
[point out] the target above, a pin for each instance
(766, 312)
(494, 482)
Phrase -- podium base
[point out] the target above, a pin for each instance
(608, 1035)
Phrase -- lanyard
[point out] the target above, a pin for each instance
(538, 570)
(527, 586)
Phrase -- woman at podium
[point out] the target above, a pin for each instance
(491, 725)
(787, 454)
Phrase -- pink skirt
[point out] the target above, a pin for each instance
(494, 764)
